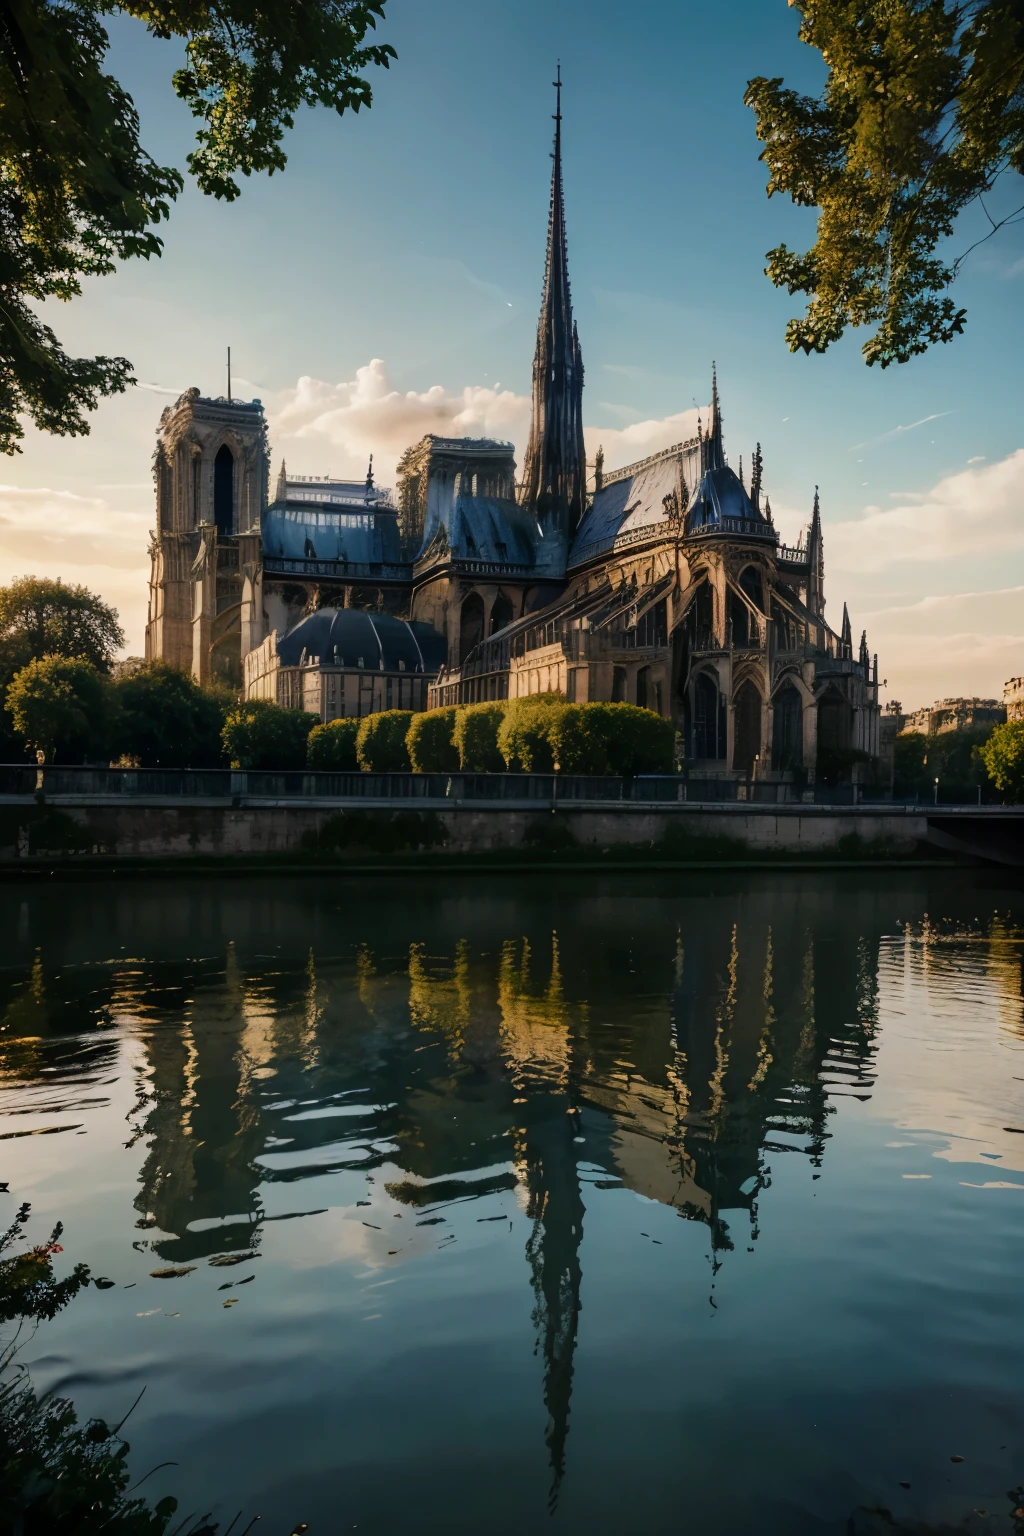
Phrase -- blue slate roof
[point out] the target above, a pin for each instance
(633, 502)
(359, 535)
(351, 637)
(720, 495)
(492, 528)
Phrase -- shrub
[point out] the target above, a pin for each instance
(380, 745)
(1003, 759)
(259, 734)
(637, 740)
(579, 744)
(430, 743)
(332, 747)
(62, 707)
(166, 720)
(476, 737)
(524, 739)
(955, 758)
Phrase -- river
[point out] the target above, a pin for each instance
(670, 1203)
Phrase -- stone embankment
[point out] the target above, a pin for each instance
(166, 831)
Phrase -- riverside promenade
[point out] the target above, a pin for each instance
(127, 818)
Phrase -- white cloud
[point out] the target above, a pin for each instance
(351, 420)
(347, 422)
(973, 514)
(886, 437)
(961, 643)
(79, 539)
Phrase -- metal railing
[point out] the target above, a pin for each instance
(26, 781)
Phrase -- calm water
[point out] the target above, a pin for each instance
(688, 1204)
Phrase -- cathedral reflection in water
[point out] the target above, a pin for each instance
(541, 1051)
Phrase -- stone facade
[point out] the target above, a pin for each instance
(1013, 698)
(954, 715)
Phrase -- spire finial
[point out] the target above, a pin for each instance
(229, 375)
(369, 476)
(554, 484)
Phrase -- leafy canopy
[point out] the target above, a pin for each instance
(62, 707)
(49, 618)
(1003, 757)
(922, 113)
(164, 719)
(260, 734)
(79, 193)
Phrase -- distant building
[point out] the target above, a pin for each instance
(1013, 698)
(957, 715)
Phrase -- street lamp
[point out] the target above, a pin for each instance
(936, 791)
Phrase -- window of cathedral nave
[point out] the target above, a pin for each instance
(746, 727)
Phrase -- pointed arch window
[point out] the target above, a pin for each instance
(224, 490)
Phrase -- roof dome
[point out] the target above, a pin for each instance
(721, 494)
(351, 637)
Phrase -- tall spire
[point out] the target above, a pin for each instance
(281, 493)
(816, 563)
(712, 445)
(555, 472)
(846, 638)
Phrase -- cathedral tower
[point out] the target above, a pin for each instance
(210, 469)
(555, 473)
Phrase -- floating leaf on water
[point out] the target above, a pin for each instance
(172, 1273)
(233, 1302)
(222, 1260)
(102, 1283)
(431, 1221)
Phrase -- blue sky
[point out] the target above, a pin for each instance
(413, 235)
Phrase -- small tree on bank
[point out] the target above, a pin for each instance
(164, 719)
(1003, 757)
(332, 747)
(380, 745)
(62, 708)
(475, 737)
(430, 741)
(260, 734)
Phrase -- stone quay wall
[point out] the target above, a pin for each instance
(365, 833)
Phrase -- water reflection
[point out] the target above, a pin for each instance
(525, 1054)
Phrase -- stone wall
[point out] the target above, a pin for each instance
(374, 833)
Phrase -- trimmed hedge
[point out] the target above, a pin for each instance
(380, 745)
(332, 747)
(430, 743)
(637, 740)
(476, 737)
(524, 738)
(260, 734)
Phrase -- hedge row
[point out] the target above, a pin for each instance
(542, 734)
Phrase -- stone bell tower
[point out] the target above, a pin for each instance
(205, 588)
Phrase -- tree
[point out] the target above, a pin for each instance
(332, 747)
(78, 193)
(524, 739)
(380, 745)
(259, 734)
(1003, 757)
(164, 719)
(430, 743)
(922, 113)
(62, 707)
(476, 737)
(39, 617)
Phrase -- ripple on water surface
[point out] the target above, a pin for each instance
(657, 1204)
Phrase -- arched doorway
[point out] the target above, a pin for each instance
(224, 490)
(746, 727)
(708, 731)
(471, 627)
(788, 729)
(619, 686)
(501, 613)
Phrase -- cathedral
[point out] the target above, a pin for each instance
(664, 584)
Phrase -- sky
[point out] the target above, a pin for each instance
(387, 283)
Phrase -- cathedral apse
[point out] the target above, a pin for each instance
(662, 583)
